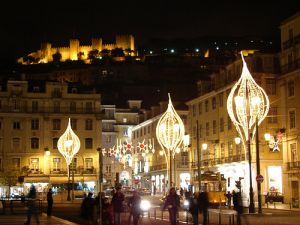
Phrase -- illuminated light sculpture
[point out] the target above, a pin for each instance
(68, 145)
(169, 133)
(247, 106)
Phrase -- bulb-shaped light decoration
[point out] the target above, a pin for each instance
(170, 130)
(68, 144)
(246, 103)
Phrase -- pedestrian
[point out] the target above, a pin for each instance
(87, 208)
(134, 203)
(194, 207)
(181, 191)
(32, 207)
(107, 212)
(237, 205)
(117, 203)
(50, 202)
(172, 203)
(228, 196)
(154, 190)
(203, 206)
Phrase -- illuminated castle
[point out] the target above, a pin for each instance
(75, 51)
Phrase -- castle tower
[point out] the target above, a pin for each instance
(74, 49)
(46, 52)
(97, 44)
(125, 42)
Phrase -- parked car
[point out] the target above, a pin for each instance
(271, 197)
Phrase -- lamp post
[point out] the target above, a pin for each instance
(68, 145)
(169, 133)
(247, 106)
(100, 152)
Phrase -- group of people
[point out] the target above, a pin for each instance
(111, 211)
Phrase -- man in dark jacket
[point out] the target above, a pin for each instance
(117, 203)
(194, 207)
(134, 203)
(203, 205)
(172, 203)
(50, 202)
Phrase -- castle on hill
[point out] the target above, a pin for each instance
(76, 51)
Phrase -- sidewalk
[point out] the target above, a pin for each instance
(19, 219)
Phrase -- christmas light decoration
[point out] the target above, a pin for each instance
(169, 133)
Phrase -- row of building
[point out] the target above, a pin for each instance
(33, 116)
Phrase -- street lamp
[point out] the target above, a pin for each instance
(169, 133)
(68, 145)
(247, 106)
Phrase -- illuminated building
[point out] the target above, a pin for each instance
(289, 92)
(75, 51)
(33, 117)
(217, 132)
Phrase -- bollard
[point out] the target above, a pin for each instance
(162, 215)
(155, 213)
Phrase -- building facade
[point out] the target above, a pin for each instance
(33, 117)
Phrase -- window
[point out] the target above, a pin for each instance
(108, 169)
(35, 124)
(108, 139)
(125, 131)
(207, 129)
(72, 107)
(54, 143)
(34, 143)
(56, 164)
(88, 107)
(184, 158)
(88, 124)
(16, 125)
(206, 106)
(214, 103)
(56, 124)
(221, 124)
(292, 119)
(124, 120)
(88, 163)
(56, 107)
(216, 153)
(88, 143)
(271, 86)
(73, 164)
(16, 105)
(238, 149)
(34, 163)
(294, 154)
(200, 108)
(16, 143)
(221, 100)
(230, 148)
(194, 110)
(222, 151)
(229, 123)
(35, 106)
(214, 127)
(291, 88)
(74, 124)
(16, 163)
(272, 115)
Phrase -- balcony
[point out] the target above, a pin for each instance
(158, 167)
(291, 42)
(293, 165)
(291, 66)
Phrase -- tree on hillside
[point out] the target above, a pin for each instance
(56, 57)
(117, 52)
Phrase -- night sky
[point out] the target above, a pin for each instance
(24, 24)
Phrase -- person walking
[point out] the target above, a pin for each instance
(117, 203)
(237, 205)
(194, 207)
(172, 203)
(87, 208)
(32, 208)
(228, 196)
(50, 202)
(107, 212)
(134, 203)
(203, 206)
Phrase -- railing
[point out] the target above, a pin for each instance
(7, 109)
(217, 161)
(289, 43)
(293, 165)
(291, 66)
(158, 167)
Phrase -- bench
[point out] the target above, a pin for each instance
(227, 212)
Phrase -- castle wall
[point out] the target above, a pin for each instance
(109, 46)
(74, 49)
(97, 44)
(125, 42)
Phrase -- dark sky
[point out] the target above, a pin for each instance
(24, 24)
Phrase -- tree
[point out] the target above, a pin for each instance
(80, 55)
(117, 52)
(9, 177)
(56, 57)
